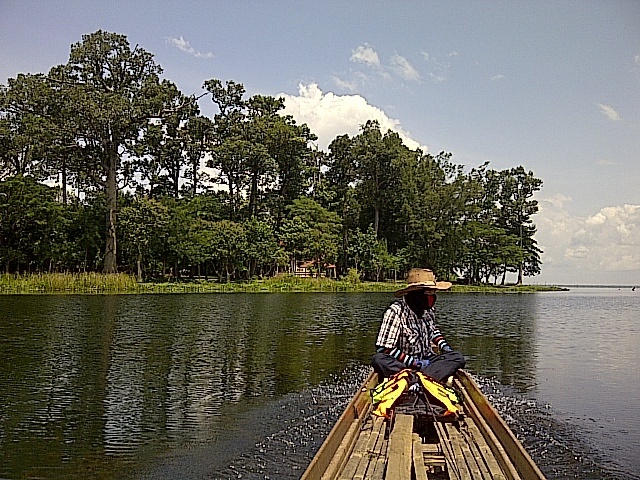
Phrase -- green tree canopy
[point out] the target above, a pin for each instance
(113, 91)
(236, 195)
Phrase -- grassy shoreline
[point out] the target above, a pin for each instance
(122, 283)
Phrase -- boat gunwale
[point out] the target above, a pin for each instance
(485, 413)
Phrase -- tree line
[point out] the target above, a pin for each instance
(102, 168)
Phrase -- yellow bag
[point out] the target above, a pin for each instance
(385, 395)
(444, 395)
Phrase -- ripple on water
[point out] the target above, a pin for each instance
(557, 447)
(303, 421)
(276, 441)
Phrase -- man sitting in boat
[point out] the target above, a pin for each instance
(409, 330)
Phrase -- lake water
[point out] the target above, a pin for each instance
(246, 386)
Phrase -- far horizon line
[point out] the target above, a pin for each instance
(587, 285)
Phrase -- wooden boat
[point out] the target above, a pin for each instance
(478, 445)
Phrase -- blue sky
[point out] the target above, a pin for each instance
(553, 86)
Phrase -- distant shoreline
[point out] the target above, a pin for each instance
(598, 286)
(93, 283)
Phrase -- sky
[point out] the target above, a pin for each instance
(553, 86)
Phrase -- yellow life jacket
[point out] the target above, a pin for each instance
(385, 395)
(444, 395)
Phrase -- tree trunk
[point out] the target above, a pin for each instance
(110, 258)
(64, 182)
(376, 220)
(232, 201)
(195, 166)
(176, 179)
(519, 275)
(139, 264)
(253, 196)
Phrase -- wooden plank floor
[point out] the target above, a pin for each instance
(461, 454)
(369, 456)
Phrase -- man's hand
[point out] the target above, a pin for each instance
(447, 349)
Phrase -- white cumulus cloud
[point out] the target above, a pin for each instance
(182, 44)
(609, 111)
(603, 248)
(329, 115)
(367, 55)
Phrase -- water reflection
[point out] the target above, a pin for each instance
(588, 370)
(92, 383)
(497, 337)
(95, 386)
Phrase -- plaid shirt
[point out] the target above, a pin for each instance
(403, 330)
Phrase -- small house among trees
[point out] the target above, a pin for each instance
(310, 269)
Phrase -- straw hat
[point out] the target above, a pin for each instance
(422, 278)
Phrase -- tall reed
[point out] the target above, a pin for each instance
(125, 283)
(89, 282)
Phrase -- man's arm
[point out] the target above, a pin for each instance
(435, 337)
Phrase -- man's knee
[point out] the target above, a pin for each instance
(386, 365)
(381, 363)
(377, 364)
(444, 365)
(377, 359)
(457, 358)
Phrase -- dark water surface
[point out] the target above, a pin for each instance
(246, 386)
